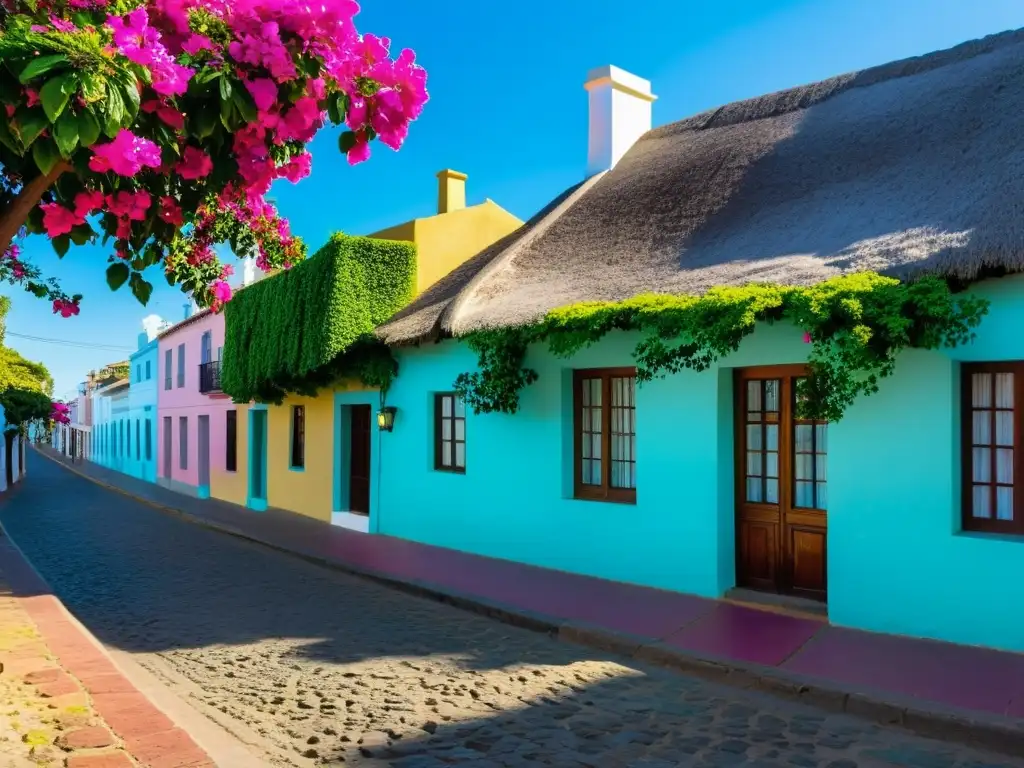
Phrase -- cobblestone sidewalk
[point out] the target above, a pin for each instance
(62, 701)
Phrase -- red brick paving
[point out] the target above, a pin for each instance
(109, 760)
(149, 736)
(93, 737)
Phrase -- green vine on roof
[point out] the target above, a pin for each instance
(311, 325)
(856, 325)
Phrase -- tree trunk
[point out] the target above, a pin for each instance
(14, 215)
(9, 460)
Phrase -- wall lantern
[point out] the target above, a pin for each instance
(386, 418)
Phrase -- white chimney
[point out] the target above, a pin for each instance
(191, 307)
(620, 113)
(249, 271)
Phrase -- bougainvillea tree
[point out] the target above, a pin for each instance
(159, 127)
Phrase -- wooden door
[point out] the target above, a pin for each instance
(781, 492)
(359, 460)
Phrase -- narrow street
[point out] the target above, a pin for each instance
(327, 668)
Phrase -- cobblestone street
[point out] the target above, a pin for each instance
(327, 669)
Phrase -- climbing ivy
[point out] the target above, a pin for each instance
(856, 326)
(310, 325)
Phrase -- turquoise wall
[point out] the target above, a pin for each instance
(515, 499)
(897, 560)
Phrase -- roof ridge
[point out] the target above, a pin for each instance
(807, 95)
(451, 312)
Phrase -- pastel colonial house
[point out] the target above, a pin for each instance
(312, 448)
(143, 368)
(904, 516)
(192, 412)
(113, 439)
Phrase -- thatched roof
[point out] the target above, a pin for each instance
(909, 168)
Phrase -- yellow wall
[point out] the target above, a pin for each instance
(308, 491)
(232, 486)
(444, 241)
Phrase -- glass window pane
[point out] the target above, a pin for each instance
(772, 433)
(754, 489)
(771, 464)
(981, 390)
(981, 497)
(804, 438)
(595, 446)
(446, 454)
(754, 463)
(460, 429)
(460, 455)
(631, 391)
(595, 391)
(446, 406)
(595, 420)
(771, 395)
(822, 496)
(1004, 503)
(771, 491)
(585, 447)
(460, 408)
(1004, 390)
(982, 464)
(754, 437)
(753, 396)
(1004, 427)
(595, 471)
(804, 494)
(803, 467)
(819, 467)
(1004, 465)
(981, 429)
(446, 429)
(617, 392)
(821, 438)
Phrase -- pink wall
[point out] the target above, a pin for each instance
(188, 401)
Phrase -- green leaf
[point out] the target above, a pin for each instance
(245, 104)
(42, 65)
(88, 128)
(204, 120)
(346, 141)
(229, 116)
(56, 94)
(65, 133)
(93, 87)
(113, 113)
(132, 101)
(61, 245)
(81, 234)
(8, 139)
(117, 274)
(142, 289)
(29, 123)
(46, 155)
(225, 89)
(337, 107)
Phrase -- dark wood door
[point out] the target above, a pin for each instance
(359, 461)
(781, 491)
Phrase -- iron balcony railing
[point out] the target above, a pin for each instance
(209, 377)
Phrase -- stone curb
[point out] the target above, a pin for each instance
(977, 729)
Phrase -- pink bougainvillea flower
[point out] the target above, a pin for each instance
(197, 43)
(807, 338)
(64, 307)
(58, 220)
(40, 29)
(62, 25)
(141, 43)
(195, 164)
(87, 202)
(170, 211)
(221, 291)
(168, 114)
(360, 151)
(31, 97)
(126, 155)
(298, 167)
(264, 92)
(129, 205)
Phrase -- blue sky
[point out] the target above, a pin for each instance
(508, 108)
